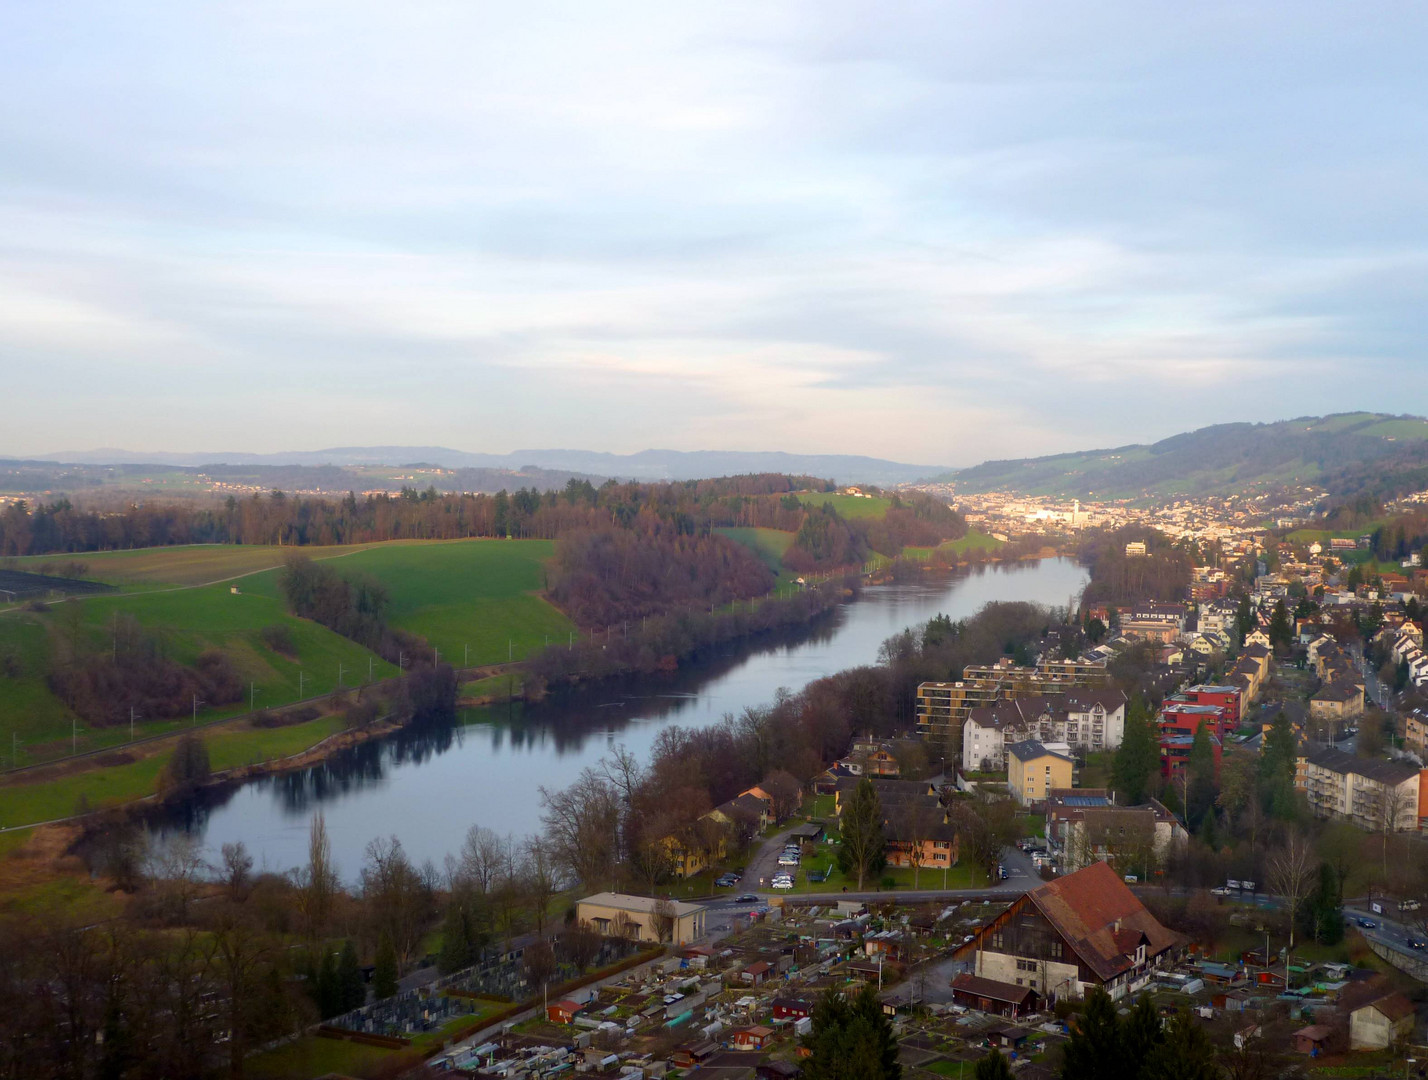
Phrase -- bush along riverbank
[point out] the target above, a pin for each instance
(664, 642)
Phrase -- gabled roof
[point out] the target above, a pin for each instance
(1101, 919)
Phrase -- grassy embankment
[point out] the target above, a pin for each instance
(481, 593)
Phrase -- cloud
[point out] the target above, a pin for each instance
(933, 233)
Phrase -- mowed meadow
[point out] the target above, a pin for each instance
(476, 598)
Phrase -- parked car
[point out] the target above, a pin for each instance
(727, 881)
(782, 883)
(1222, 890)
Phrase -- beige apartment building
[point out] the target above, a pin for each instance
(1373, 794)
(1033, 770)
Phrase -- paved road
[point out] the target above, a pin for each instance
(1387, 929)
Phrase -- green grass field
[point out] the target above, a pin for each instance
(27, 804)
(850, 506)
(478, 593)
(192, 564)
(768, 544)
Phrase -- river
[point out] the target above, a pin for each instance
(427, 788)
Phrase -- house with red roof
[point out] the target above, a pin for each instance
(1069, 935)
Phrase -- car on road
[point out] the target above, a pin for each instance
(1001, 872)
(1414, 943)
(1367, 924)
(746, 898)
(1222, 890)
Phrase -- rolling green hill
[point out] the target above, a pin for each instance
(1345, 454)
(481, 593)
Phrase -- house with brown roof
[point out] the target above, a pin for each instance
(991, 996)
(1067, 936)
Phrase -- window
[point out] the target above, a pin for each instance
(1025, 965)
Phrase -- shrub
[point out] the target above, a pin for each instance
(279, 638)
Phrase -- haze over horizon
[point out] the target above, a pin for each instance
(933, 235)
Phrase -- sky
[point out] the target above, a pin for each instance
(937, 233)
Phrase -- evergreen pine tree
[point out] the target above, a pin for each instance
(992, 1067)
(1200, 795)
(1141, 1033)
(1185, 1054)
(851, 1040)
(1095, 1050)
(1138, 756)
(1277, 767)
(455, 940)
(384, 977)
(352, 991)
(329, 993)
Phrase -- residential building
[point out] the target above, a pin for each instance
(1337, 702)
(942, 707)
(1175, 754)
(1185, 718)
(1033, 770)
(1372, 793)
(1154, 622)
(1085, 719)
(1065, 937)
(643, 918)
(1133, 839)
(1065, 805)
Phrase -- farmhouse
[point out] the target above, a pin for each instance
(1067, 936)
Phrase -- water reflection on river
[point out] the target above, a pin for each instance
(428, 786)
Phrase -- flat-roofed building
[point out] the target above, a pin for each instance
(1372, 793)
(643, 918)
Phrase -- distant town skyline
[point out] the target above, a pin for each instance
(928, 234)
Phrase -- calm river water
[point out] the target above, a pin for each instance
(428, 788)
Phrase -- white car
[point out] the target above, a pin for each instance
(788, 860)
(783, 883)
(1221, 890)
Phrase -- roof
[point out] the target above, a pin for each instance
(1031, 749)
(642, 904)
(1384, 772)
(991, 989)
(1316, 1032)
(1100, 918)
(1337, 690)
(1394, 1006)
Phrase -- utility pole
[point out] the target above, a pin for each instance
(252, 696)
(301, 676)
(369, 669)
(74, 735)
(437, 654)
(196, 704)
(466, 656)
(340, 669)
(131, 723)
(510, 650)
(401, 661)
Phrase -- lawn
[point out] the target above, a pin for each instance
(188, 564)
(958, 877)
(850, 506)
(315, 1056)
(25, 804)
(477, 593)
(768, 544)
(496, 686)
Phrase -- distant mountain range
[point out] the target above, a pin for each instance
(645, 465)
(1344, 454)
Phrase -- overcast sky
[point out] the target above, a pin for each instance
(933, 232)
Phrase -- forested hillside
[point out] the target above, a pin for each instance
(1346, 454)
